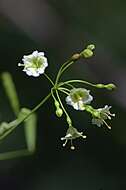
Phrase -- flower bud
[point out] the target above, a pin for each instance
(57, 104)
(91, 47)
(87, 53)
(59, 112)
(110, 86)
(100, 85)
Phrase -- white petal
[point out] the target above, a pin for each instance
(27, 57)
(35, 53)
(75, 106)
(45, 62)
(89, 99)
(29, 73)
(35, 74)
(41, 53)
(41, 70)
(68, 100)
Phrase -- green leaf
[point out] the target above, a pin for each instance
(11, 91)
(30, 126)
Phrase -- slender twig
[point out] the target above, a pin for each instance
(67, 115)
(63, 91)
(49, 79)
(60, 71)
(77, 81)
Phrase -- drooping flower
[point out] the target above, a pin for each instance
(100, 115)
(71, 134)
(34, 64)
(78, 97)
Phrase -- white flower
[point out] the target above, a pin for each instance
(34, 64)
(71, 134)
(100, 115)
(78, 97)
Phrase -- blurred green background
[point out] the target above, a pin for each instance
(61, 28)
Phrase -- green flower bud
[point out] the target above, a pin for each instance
(57, 104)
(59, 112)
(100, 85)
(110, 86)
(107, 86)
(91, 47)
(87, 53)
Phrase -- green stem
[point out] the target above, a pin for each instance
(32, 111)
(60, 71)
(49, 79)
(53, 94)
(70, 85)
(14, 154)
(63, 91)
(62, 88)
(68, 65)
(77, 81)
(67, 116)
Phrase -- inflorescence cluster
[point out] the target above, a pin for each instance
(79, 98)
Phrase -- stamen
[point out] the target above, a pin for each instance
(20, 64)
(72, 147)
(65, 143)
(109, 117)
(109, 127)
(112, 114)
(84, 136)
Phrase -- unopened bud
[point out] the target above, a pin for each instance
(59, 112)
(91, 47)
(87, 53)
(56, 104)
(100, 85)
(110, 86)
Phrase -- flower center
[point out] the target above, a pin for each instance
(37, 62)
(79, 95)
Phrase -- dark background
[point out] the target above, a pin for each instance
(61, 28)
